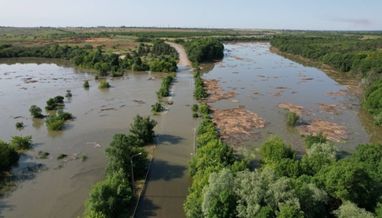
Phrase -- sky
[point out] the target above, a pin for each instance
(253, 14)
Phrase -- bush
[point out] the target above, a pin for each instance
(164, 90)
(378, 119)
(204, 50)
(143, 128)
(312, 139)
(21, 142)
(157, 108)
(55, 122)
(54, 103)
(274, 150)
(195, 108)
(292, 119)
(36, 112)
(110, 198)
(8, 156)
(19, 125)
(86, 84)
(64, 115)
(103, 84)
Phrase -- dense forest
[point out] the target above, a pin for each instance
(351, 54)
(158, 57)
(204, 50)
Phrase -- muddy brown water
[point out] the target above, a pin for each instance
(262, 80)
(59, 188)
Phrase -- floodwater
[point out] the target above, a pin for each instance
(262, 80)
(58, 188)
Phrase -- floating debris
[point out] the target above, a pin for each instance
(236, 121)
(330, 108)
(292, 108)
(332, 131)
(338, 93)
(215, 92)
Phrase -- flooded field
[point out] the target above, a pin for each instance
(58, 188)
(251, 80)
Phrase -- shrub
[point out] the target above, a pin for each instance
(86, 84)
(143, 128)
(68, 94)
(55, 103)
(157, 108)
(274, 150)
(292, 119)
(378, 119)
(8, 156)
(195, 108)
(312, 139)
(55, 122)
(103, 84)
(19, 125)
(21, 142)
(64, 115)
(36, 112)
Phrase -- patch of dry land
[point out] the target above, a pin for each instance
(236, 122)
(332, 131)
(215, 92)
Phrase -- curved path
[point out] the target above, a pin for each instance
(183, 58)
(168, 181)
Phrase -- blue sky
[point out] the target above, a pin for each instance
(268, 14)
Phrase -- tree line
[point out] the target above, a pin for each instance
(204, 50)
(158, 57)
(126, 162)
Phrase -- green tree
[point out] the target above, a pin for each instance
(274, 149)
(8, 156)
(110, 198)
(36, 112)
(143, 128)
(219, 198)
(348, 209)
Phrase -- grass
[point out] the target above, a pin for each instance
(103, 84)
(292, 119)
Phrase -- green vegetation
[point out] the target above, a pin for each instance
(68, 94)
(86, 84)
(292, 119)
(55, 103)
(347, 53)
(56, 122)
(19, 125)
(8, 156)
(43, 154)
(20, 143)
(199, 92)
(112, 196)
(62, 156)
(103, 84)
(204, 50)
(157, 108)
(164, 90)
(36, 112)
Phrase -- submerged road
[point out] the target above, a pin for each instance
(168, 180)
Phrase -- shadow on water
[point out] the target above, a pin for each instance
(169, 139)
(162, 170)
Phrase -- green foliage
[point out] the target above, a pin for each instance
(164, 90)
(36, 112)
(292, 119)
(55, 122)
(104, 84)
(19, 125)
(110, 198)
(86, 84)
(349, 209)
(163, 64)
(274, 150)
(64, 115)
(218, 197)
(373, 101)
(313, 139)
(349, 181)
(157, 108)
(21, 142)
(8, 156)
(143, 128)
(204, 50)
(199, 92)
(120, 152)
(55, 103)
(319, 156)
(195, 108)
(290, 211)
